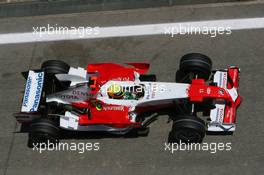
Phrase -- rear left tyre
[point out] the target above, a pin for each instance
(51, 68)
(55, 67)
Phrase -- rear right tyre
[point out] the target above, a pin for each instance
(44, 130)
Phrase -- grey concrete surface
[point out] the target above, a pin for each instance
(67, 6)
(143, 155)
(136, 17)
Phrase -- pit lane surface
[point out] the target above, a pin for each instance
(142, 155)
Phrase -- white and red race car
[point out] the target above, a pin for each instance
(123, 98)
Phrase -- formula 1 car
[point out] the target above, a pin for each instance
(122, 98)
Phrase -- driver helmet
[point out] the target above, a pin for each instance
(115, 91)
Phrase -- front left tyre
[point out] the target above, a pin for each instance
(194, 65)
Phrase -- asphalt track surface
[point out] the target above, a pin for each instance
(142, 155)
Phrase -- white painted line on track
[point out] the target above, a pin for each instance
(132, 30)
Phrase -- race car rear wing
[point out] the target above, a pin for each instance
(33, 91)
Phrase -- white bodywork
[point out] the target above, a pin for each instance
(75, 76)
(73, 94)
(78, 91)
(153, 91)
(69, 121)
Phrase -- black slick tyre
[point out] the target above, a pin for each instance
(55, 67)
(44, 130)
(187, 129)
(194, 65)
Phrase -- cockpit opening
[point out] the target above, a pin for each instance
(116, 91)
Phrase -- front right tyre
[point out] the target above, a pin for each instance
(187, 129)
